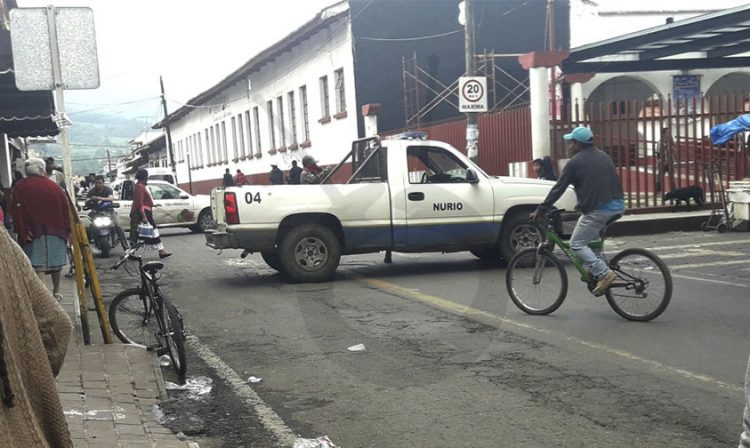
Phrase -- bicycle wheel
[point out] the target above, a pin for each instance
(643, 288)
(174, 338)
(537, 283)
(133, 320)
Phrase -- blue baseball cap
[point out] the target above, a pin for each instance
(581, 134)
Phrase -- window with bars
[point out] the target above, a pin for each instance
(271, 124)
(240, 136)
(224, 146)
(340, 91)
(235, 146)
(305, 114)
(199, 140)
(249, 134)
(292, 118)
(256, 118)
(325, 105)
(210, 145)
(282, 125)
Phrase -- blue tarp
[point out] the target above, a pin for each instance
(722, 133)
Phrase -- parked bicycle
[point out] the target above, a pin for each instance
(145, 317)
(537, 280)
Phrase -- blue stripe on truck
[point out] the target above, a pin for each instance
(459, 234)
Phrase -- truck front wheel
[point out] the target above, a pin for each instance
(517, 234)
(310, 253)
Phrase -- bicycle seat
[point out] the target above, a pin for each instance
(152, 267)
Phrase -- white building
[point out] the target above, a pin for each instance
(294, 98)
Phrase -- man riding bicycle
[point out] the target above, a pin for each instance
(599, 192)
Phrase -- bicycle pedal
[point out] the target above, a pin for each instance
(161, 351)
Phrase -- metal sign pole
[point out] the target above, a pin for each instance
(60, 99)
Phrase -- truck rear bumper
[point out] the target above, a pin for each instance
(221, 240)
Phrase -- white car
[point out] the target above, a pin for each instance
(174, 207)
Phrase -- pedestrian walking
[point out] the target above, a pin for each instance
(599, 192)
(53, 173)
(294, 174)
(34, 335)
(42, 222)
(312, 173)
(141, 213)
(240, 178)
(228, 180)
(276, 176)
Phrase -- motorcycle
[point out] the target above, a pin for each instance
(101, 225)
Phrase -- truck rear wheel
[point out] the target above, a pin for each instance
(518, 233)
(310, 253)
(273, 260)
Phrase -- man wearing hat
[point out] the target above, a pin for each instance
(599, 193)
(276, 176)
(313, 174)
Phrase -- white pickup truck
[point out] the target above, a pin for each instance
(404, 195)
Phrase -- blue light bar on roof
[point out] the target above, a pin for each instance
(410, 135)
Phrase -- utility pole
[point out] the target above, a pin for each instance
(553, 70)
(109, 166)
(170, 154)
(472, 127)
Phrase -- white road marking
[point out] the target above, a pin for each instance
(721, 282)
(487, 317)
(270, 420)
(701, 253)
(699, 245)
(709, 264)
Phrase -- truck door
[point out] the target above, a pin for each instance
(443, 209)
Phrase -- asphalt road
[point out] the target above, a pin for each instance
(449, 361)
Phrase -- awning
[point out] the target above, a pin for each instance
(716, 40)
(22, 114)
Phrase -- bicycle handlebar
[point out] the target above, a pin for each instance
(128, 255)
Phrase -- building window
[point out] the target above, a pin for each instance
(221, 141)
(271, 124)
(292, 119)
(240, 136)
(249, 134)
(305, 114)
(211, 147)
(256, 119)
(282, 126)
(235, 146)
(200, 149)
(325, 105)
(340, 92)
(224, 142)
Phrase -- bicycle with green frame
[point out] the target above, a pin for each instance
(537, 279)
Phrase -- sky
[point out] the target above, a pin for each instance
(192, 44)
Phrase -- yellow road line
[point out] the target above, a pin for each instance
(490, 318)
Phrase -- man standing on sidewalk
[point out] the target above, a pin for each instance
(34, 334)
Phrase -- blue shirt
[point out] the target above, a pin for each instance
(615, 205)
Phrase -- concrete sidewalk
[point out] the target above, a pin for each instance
(108, 392)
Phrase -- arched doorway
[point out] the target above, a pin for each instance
(729, 93)
(611, 109)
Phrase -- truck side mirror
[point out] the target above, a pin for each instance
(184, 196)
(471, 177)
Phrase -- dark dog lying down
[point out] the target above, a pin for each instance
(685, 194)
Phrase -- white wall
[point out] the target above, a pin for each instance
(328, 50)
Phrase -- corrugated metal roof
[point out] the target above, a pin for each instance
(717, 38)
(321, 20)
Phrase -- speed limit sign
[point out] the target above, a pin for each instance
(472, 92)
